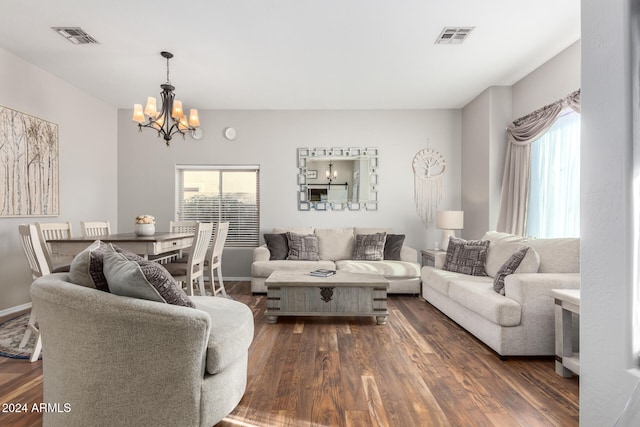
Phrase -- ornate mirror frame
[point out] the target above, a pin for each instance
(306, 155)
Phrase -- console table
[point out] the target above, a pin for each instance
(295, 293)
(567, 303)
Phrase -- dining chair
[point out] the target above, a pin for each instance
(32, 246)
(182, 227)
(95, 228)
(214, 257)
(55, 230)
(193, 269)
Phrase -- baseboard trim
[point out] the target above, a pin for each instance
(12, 310)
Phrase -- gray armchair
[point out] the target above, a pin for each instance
(112, 360)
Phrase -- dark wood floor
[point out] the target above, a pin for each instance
(420, 369)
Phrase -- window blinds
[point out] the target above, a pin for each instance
(220, 194)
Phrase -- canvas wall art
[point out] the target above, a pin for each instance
(29, 165)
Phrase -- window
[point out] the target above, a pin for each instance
(221, 193)
(554, 192)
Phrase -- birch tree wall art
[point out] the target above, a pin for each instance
(28, 165)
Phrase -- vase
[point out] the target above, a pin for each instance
(144, 229)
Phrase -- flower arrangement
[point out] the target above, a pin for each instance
(145, 219)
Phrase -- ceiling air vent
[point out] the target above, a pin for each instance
(75, 35)
(453, 35)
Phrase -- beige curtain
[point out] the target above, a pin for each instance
(514, 196)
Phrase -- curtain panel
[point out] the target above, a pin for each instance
(514, 196)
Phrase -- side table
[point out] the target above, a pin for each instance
(567, 303)
(429, 256)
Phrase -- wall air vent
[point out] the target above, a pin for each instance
(454, 35)
(75, 35)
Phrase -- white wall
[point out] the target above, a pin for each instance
(606, 210)
(87, 134)
(270, 139)
(550, 82)
(483, 147)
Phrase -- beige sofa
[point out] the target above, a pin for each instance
(520, 322)
(116, 360)
(335, 247)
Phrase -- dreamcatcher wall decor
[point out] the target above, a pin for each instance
(428, 169)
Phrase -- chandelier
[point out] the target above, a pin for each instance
(170, 119)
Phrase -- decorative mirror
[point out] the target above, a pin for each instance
(337, 179)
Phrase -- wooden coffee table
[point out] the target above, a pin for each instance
(292, 293)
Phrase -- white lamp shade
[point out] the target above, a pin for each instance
(150, 110)
(138, 116)
(177, 109)
(194, 121)
(450, 220)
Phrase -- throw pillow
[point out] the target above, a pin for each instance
(277, 245)
(142, 279)
(508, 268)
(87, 267)
(393, 246)
(302, 247)
(466, 256)
(369, 247)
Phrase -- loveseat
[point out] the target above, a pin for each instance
(520, 320)
(117, 360)
(335, 251)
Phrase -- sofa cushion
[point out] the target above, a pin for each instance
(302, 247)
(142, 279)
(560, 255)
(509, 267)
(335, 243)
(265, 268)
(480, 298)
(231, 331)
(500, 237)
(371, 230)
(393, 247)
(389, 269)
(467, 257)
(369, 247)
(499, 252)
(277, 244)
(440, 279)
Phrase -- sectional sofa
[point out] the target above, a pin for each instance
(519, 321)
(335, 251)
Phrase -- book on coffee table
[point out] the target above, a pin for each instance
(322, 272)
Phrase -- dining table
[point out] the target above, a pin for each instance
(157, 244)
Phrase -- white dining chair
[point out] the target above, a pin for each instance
(32, 246)
(55, 230)
(214, 258)
(95, 228)
(193, 269)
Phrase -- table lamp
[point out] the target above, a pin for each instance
(448, 222)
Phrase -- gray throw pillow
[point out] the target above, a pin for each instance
(507, 268)
(393, 246)
(277, 245)
(87, 267)
(142, 279)
(369, 247)
(466, 256)
(302, 247)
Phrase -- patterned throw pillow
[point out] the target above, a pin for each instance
(507, 268)
(393, 246)
(302, 247)
(142, 279)
(277, 245)
(466, 256)
(369, 247)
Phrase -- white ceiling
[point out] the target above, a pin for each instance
(291, 54)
